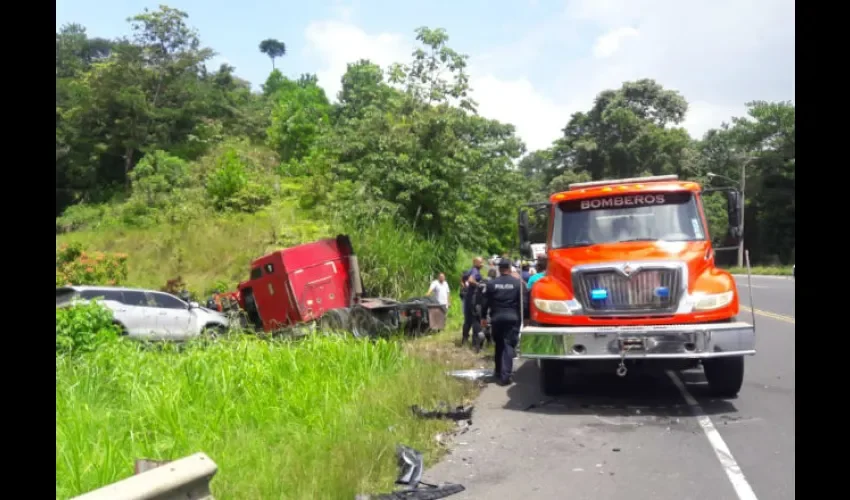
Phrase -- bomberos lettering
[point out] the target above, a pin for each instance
(637, 200)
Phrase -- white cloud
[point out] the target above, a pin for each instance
(719, 54)
(538, 120)
(609, 43)
(336, 44)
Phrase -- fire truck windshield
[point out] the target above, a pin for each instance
(668, 216)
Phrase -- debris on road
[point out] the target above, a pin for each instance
(411, 465)
(539, 405)
(473, 375)
(458, 413)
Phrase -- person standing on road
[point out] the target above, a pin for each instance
(485, 336)
(440, 289)
(470, 320)
(541, 271)
(505, 303)
(526, 271)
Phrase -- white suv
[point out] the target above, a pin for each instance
(148, 314)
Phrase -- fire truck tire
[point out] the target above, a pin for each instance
(552, 376)
(725, 376)
(335, 320)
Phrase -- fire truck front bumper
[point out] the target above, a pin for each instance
(697, 341)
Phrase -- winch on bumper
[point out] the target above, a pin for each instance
(687, 341)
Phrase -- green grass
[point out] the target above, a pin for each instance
(763, 270)
(316, 419)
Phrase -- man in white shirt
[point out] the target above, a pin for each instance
(440, 288)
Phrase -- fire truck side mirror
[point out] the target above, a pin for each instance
(524, 244)
(733, 199)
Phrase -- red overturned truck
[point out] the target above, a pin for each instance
(319, 284)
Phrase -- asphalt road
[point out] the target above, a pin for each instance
(642, 437)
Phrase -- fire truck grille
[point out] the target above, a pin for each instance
(647, 290)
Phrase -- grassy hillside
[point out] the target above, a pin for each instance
(205, 251)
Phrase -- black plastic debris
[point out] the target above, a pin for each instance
(444, 411)
(540, 404)
(411, 467)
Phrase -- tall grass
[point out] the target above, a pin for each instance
(395, 261)
(316, 419)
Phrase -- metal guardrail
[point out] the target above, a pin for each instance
(187, 479)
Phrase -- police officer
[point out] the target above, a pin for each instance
(470, 319)
(505, 303)
(485, 336)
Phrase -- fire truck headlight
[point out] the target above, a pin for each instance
(705, 302)
(558, 307)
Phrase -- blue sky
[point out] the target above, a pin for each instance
(533, 62)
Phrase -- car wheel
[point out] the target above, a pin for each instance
(213, 332)
(122, 330)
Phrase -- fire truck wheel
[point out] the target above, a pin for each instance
(552, 376)
(725, 376)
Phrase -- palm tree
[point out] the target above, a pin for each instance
(273, 48)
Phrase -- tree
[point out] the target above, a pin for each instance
(300, 114)
(626, 134)
(418, 154)
(273, 48)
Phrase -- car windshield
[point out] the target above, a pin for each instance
(641, 217)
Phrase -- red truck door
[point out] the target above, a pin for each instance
(319, 288)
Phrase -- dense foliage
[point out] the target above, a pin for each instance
(147, 135)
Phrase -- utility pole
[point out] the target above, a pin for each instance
(743, 204)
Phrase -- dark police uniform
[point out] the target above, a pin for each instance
(506, 302)
(485, 337)
(470, 319)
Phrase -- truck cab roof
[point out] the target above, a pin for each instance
(632, 186)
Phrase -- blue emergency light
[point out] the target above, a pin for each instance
(598, 294)
(662, 292)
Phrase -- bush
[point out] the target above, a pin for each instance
(231, 187)
(76, 267)
(157, 175)
(84, 328)
(86, 216)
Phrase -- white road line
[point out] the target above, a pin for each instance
(753, 286)
(727, 461)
